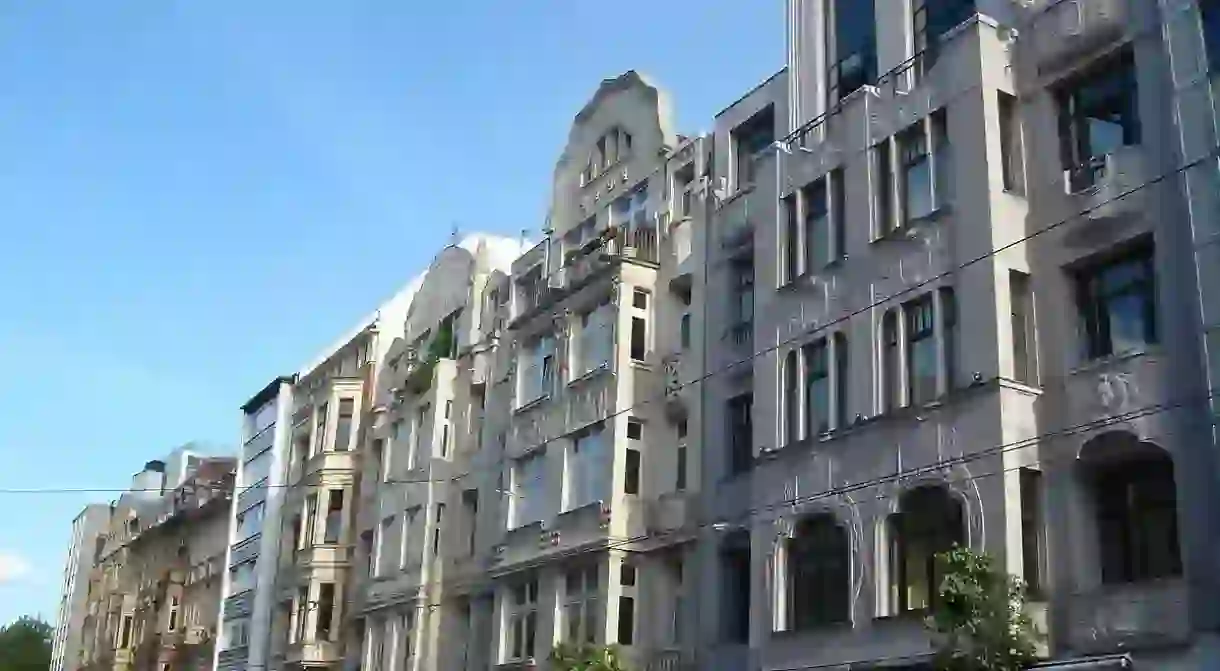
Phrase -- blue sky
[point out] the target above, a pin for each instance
(196, 196)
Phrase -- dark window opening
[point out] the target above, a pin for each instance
(819, 566)
(854, 59)
(1117, 304)
(928, 523)
(631, 479)
(741, 433)
(1098, 114)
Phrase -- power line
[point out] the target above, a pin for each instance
(770, 348)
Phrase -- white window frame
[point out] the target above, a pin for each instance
(520, 613)
(581, 602)
(528, 489)
(587, 470)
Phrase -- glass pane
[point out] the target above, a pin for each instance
(1126, 316)
(919, 189)
(819, 405)
(923, 370)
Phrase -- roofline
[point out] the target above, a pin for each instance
(267, 393)
(752, 91)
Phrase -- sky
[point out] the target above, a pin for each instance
(198, 196)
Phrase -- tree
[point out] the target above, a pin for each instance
(25, 645)
(567, 657)
(980, 617)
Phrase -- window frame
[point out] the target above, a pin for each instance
(1095, 301)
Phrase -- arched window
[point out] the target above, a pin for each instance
(817, 387)
(819, 573)
(791, 398)
(1135, 500)
(929, 521)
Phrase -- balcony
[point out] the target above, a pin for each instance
(1103, 391)
(330, 461)
(314, 653)
(252, 496)
(735, 223)
(674, 659)
(1107, 188)
(550, 418)
(671, 512)
(239, 605)
(323, 556)
(1066, 30)
(1129, 617)
(244, 550)
(682, 253)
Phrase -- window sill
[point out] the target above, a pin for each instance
(828, 629)
(640, 365)
(740, 192)
(1114, 359)
(597, 371)
(530, 405)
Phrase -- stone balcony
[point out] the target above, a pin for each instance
(1112, 392)
(314, 653)
(1128, 617)
(1065, 31)
(551, 417)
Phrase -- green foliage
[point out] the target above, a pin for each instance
(980, 619)
(25, 645)
(568, 657)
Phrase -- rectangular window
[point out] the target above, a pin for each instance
(1117, 304)
(410, 539)
(1021, 304)
(343, 428)
(635, 429)
(437, 526)
(735, 579)
(684, 331)
(916, 167)
(1209, 16)
(320, 430)
(749, 140)
(522, 607)
(639, 339)
(837, 249)
(842, 380)
(528, 490)
(639, 299)
(817, 226)
(173, 614)
(302, 609)
(1098, 114)
(630, 211)
(587, 472)
(334, 517)
(626, 620)
(1012, 147)
(817, 387)
(1032, 547)
(949, 325)
(883, 190)
(739, 415)
(125, 632)
(631, 479)
(311, 519)
(680, 475)
(792, 238)
(891, 361)
(581, 609)
(853, 59)
(741, 308)
(381, 564)
(470, 510)
(921, 350)
(326, 610)
(408, 640)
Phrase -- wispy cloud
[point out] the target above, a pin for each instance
(12, 567)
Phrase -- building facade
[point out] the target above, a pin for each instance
(155, 585)
(248, 582)
(428, 500)
(87, 528)
(328, 428)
